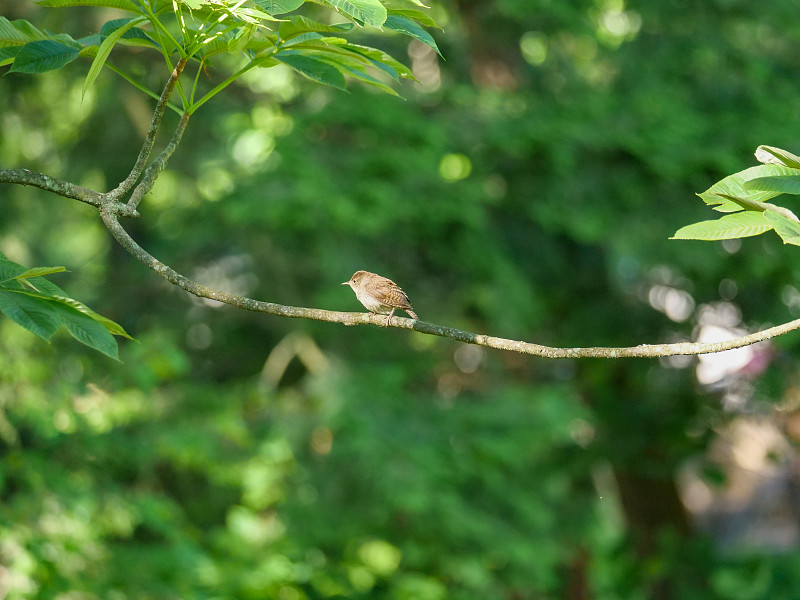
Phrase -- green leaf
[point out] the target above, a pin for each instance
(302, 38)
(333, 51)
(251, 15)
(401, 3)
(320, 43)
(18, 32)
(9, 270)
(43, 315)
(784, 184)
(370, 80)
(411, 28)
(94, 39)
(7, 56)
(416, 15)
(749, 204)
(45, 310)
(788, 229)
(279, 7)
(772, 155)
(371, 12)
(218, 13)
(43, 55)
(299, 25)
(241, 39)
(217, 45)
(133, 36)
(733, 185)
(105, 50)
(121, 4)
(746, 203)
(110, 325)
(382, 61)
(313, 68)
(737, 225)
(45, 286)
(34, 313)
(87, 330)
(39, 272)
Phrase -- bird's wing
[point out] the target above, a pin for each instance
(389, 293)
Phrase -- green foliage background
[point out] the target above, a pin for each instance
(526, 189)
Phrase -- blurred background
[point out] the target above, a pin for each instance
(526, 187)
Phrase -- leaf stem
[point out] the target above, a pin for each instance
(141, 87)
(221, 86)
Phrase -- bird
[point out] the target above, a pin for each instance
(379, 294)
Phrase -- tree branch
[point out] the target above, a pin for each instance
(150, 138)
(65, 189)
(349, 318)
(154, 170)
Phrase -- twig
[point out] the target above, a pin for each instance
(349, 318)
(154, 170)
(150, 138)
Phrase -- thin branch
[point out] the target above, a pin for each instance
(150, 139)
(65, 189)
(349, 318)
(154, 170)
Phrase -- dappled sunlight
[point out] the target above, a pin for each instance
(254, 528)
(277, 81)
(321, 440)
(252, 147)
(749, 503)
(454, 167)
(233, 273)
(215, 182)
(714, 368)
(616, 25)
(677, 304)
(425, 66)
(468, 357)
(199, 336)
(721, 322)
(714, 322)
(534, 47)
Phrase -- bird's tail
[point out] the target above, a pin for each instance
(412, 314)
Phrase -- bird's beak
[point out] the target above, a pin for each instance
(345, 283)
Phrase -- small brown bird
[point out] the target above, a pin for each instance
(380, 295)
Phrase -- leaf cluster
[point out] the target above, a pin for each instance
(258, 33)
(744, 195)
(40, 306)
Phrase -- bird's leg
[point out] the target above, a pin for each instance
(389, 318)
